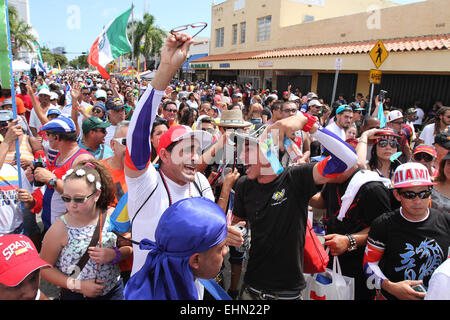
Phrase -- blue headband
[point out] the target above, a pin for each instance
(189, 226)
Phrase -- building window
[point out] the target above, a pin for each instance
(219, 37)
(235, 34)
(243, 26)
(264, 28)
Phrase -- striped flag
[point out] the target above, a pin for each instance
(119, 219)
(110, 44)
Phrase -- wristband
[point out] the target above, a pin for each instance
(118, 255)
(311, 121)
(353, 246)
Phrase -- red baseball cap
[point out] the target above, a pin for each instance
(18, 259)
(177, 133)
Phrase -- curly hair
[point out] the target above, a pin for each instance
(102, 175)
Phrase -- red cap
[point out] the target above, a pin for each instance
(18, 259)
(177, 133)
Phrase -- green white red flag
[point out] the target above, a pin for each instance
(110, 44)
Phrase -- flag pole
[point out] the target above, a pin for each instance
(13, 97)
(132, 37)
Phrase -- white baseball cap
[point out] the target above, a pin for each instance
(394, 115)
(412, 174)
(44, 91)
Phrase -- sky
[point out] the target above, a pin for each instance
(76, 24)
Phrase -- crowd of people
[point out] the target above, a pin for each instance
(195, 161)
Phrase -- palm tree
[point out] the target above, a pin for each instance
(148, 38)
(20, 33)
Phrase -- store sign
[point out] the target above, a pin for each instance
(224, 65)
(265, 64)
(200, 65)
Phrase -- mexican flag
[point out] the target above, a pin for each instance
(5, 66)
(110, 44)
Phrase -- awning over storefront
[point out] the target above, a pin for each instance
(186, 66)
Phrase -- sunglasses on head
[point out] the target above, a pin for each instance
(77, 199)
(423, 156)
(383, 143)
(412, 195)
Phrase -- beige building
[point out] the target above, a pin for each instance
(273, 43)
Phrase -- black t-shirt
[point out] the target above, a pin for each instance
(266, 111)
(412, 250)
(371, 201)
(277, 214)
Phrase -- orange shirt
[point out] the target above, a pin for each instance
(118, 177)
(19, 103)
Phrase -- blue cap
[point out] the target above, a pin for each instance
(343, 108)
(60, 124)
(53, 110)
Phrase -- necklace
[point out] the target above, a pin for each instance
(75, 150)
(167, 188)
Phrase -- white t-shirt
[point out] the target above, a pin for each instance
(34, 121)
(145, 222)
(11, 215)
(427, 134)
(192, 104)
(336, 130)
(420, 115)
(439, 284)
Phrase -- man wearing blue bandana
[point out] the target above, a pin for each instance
(190, 243)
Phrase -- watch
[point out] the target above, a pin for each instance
(353, 246)
(52, 182)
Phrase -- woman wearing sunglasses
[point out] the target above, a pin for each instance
(383, 143)
(99, 111)
(88, 192)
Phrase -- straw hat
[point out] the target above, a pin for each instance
(233, 119)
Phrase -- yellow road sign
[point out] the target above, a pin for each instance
(378, 53)
(375, 76)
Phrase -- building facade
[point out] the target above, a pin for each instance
(280, 42)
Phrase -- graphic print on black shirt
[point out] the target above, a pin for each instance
(412, 250)
(277, 213)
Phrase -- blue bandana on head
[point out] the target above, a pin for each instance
(188, 226)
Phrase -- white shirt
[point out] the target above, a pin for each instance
(427, 134)
(439, 284)
(192, 104)
(420, 115)
(333, 127)
(145, 222)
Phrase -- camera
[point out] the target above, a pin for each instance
(382, 94)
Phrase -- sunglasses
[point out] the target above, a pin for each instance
(423, 156)
(198, 26)
(122, 141)
(97, 111)
(77, 199)
(384, 143)
(397, 122)
(102, 130)
(172, 110)
(412, 195)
